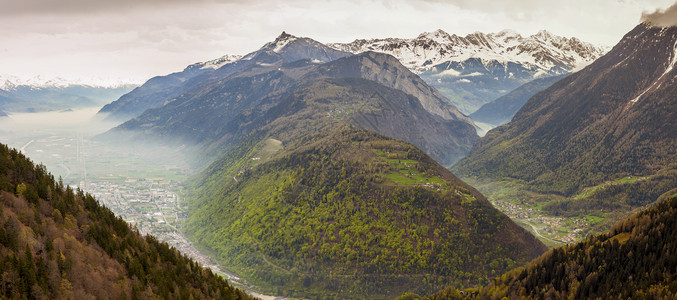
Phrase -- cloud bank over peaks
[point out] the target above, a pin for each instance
(662, 17)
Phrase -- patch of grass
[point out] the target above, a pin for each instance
(621, 237)
(592, 219)
(405, 171)
(589, 191)
(398, 177)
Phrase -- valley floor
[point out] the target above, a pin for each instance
(527, 208)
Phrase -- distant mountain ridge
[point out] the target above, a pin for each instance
(160, 90)
(11, 82)
(479, 67)
(38, 94)
(157, 90)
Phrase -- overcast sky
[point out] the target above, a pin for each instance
(138, 39)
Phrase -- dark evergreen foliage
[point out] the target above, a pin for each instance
(56, 243)
(637, 259)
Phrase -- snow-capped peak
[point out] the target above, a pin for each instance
(280, 42)
(290, 48)
(439, 36)
(543, 35)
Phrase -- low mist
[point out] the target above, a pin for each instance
(80, 121)
(69, 144)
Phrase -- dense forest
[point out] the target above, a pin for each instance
(349, 212)
(635, 260)
(57, 243)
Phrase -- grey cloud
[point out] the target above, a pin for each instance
(508, 6)
(150, 37)
(23, 7)
(662, 17)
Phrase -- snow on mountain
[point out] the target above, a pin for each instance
(216, 63)
(12, 82)
(43, 93)
(477, 68)
(291, 48)
(544, 51)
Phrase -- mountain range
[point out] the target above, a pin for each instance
(479, 67)
(219, 107)
(470, 71)
(609, 129)
(39, 94)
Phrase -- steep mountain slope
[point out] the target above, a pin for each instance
(501, 110)
(218, 111)
(634, 260)
(478, 68)
(314, 207)
(59, 244)
(163, 89)
(615, 118)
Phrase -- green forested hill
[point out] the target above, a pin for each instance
(331, 210)
(635, 260)
(59, 244)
